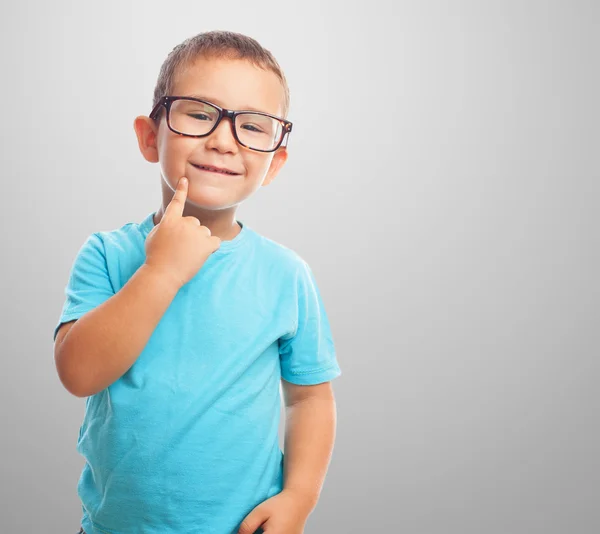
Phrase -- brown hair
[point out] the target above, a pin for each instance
(217, 44)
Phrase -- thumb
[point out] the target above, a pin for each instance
(252, 521)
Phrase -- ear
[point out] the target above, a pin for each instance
(279, 158)
(146, 130)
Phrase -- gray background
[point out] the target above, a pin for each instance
(443, 185)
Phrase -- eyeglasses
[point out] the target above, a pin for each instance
(193, 117)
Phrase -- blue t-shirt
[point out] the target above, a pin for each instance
(186, 441)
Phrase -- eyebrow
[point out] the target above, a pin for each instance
(220, 103)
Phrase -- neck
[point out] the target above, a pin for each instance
(221, 223)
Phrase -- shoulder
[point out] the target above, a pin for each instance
(285, 256)
(130, 233)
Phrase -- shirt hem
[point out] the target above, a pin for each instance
(310, 378)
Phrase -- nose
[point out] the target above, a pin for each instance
(223, 138)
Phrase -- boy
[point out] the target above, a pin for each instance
(180, 329)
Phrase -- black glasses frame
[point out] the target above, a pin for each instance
(166, 101)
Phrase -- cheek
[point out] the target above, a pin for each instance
(259, 164)
(174, 156)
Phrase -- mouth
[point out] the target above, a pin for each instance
(215, 170)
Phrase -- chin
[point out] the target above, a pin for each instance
(211, 202)
(217, 196)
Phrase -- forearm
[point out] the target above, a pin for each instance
(309, 438)
(105, 342)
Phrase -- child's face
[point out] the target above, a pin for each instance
(232, 84)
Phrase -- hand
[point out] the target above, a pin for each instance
(284, 513)
(178, 246)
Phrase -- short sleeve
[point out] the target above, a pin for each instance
(308, 355)
(89, 284)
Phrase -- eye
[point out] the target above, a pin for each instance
(200, 116)
(252, 128)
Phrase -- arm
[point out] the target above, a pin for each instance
(309, 438)
(105, 342)
(308, 365)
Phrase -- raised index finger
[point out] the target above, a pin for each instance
(175, 207)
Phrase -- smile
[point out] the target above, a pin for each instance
(208, 168)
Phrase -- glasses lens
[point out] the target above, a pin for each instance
(192, 118)
(258, 131)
